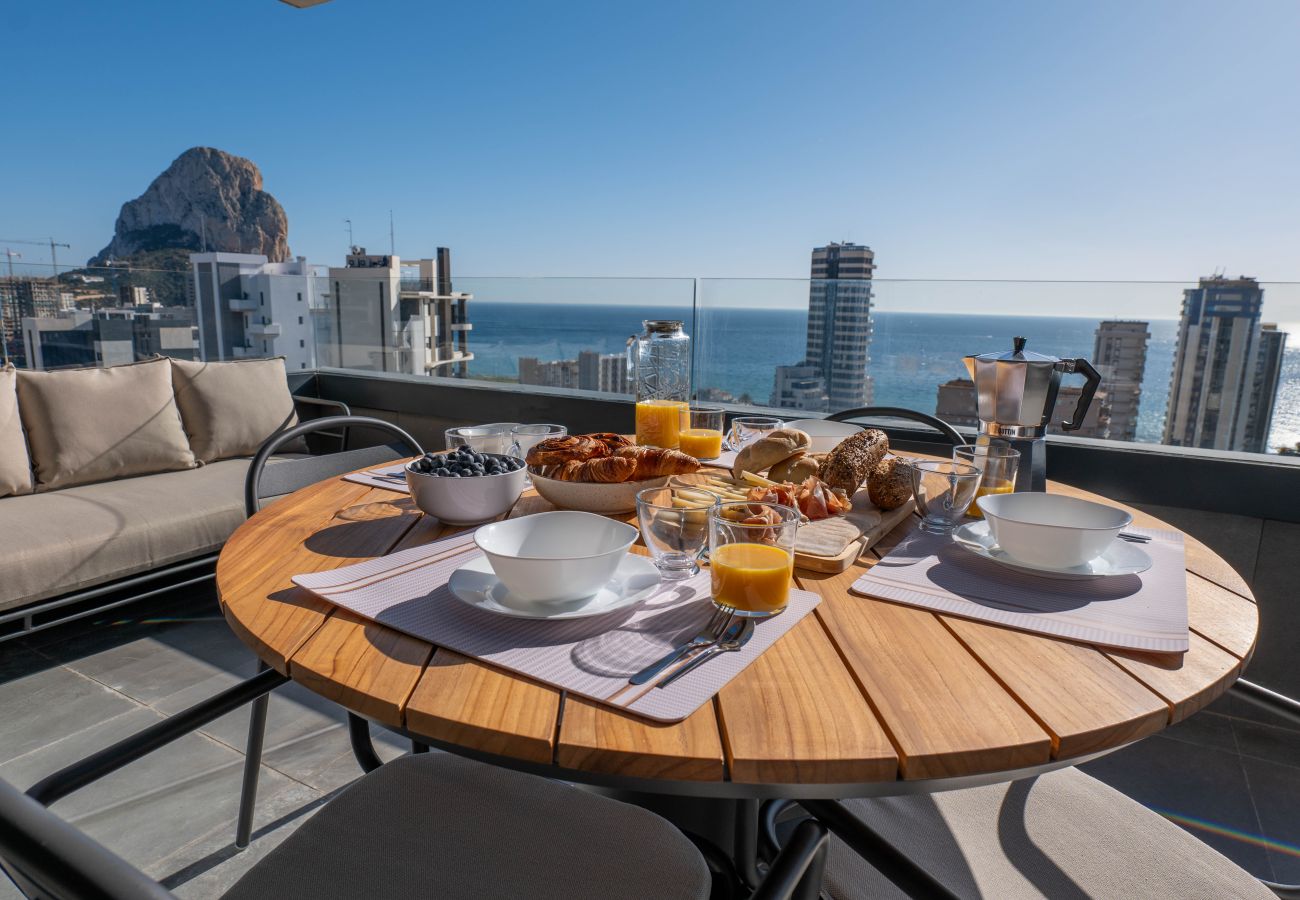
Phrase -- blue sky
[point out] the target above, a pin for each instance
(1103, 140)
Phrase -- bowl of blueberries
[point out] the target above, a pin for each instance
(464, 486)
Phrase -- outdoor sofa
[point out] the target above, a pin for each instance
(113, 477)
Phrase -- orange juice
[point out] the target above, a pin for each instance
(659, 422)
(993, 486)
(702, 443)
(751, 578)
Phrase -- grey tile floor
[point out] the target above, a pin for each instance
(1231, 781)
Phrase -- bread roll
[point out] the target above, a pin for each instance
(853, 458)
(796, 469)
(890, 483)
(769, 450)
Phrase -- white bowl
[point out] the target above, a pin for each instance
(555, 556)
(1051, 530)
(466, 501)
(825, 435)
(593, 496)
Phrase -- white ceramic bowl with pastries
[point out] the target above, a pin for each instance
(552, 557)
(601, 473)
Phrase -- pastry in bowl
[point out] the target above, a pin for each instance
(602, 472)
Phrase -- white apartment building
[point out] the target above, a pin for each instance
(1221, 395)
(799, 387)
(839, 322)
(1263, 389)
(591, 371)
(1120, 355)
(381, 314)
(247, 306)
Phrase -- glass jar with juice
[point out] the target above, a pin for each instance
(751, 557)
(659, 366)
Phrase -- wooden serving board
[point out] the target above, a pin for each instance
(869, 535)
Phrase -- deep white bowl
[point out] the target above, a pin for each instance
(593, 496)
(555, 556)
(466, 501)
(825, 434)
(1051, 530)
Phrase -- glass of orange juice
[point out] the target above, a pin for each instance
(703, 438)
(997, 463)
(751, 556)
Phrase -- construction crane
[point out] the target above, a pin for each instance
(11, 254)
(51, 243)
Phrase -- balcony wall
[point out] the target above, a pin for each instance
(1242, 505)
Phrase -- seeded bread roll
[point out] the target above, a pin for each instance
(769, 450)
(853, 458)
(890, 484)
(795, 470)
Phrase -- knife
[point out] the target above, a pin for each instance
(736, 636)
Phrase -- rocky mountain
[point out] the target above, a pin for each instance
(205, 197)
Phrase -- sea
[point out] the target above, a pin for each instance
(911, 354)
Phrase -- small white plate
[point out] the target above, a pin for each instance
(475, 583)
(1120, 558)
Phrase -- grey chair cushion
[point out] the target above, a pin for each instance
(439, 826)
(1064, 834)
(82, 536)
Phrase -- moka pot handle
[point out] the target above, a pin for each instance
(1084, 368)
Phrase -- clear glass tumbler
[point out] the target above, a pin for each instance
(494, 438)
(997, 463)
(747, 429)
(526, 437)
(751, 557)
(943, 491)
(702, 436)
(674, 534)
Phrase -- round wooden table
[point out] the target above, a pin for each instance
(863, 698)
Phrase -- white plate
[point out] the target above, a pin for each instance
(1120, 558)
(635, 579)
(825, 434)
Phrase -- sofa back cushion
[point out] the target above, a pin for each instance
(15, 464)
(87, 425)
(231, 408)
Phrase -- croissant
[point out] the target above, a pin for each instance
(606, 469)
(651, 462)
(557, 450)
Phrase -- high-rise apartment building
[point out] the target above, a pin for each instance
(1120, 355)
(1219, 398)
(591, 371)
(1263, 390)
(385, 315)
(839, 322)
(833, 374)
(22, 298)
(249, 307)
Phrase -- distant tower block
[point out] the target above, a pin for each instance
(839, 322)
(1120, 354)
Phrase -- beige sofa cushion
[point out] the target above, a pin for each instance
(88, 425)
(231, 408)
(1064, 834)
(76, 538)
(15, 464)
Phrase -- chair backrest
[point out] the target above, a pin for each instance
(899, 412)
(289, 475)
(48, 859)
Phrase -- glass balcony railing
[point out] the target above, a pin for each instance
(1213, 364)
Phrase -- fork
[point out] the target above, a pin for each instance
(709, 635)
(736, 636)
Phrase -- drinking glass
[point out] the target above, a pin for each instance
(943, 491)
(525, 437)
(747, 429)
(751, 557)
(997, 463)
(493, 438)
(674, 535)
(702, 438)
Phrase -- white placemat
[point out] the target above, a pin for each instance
(1140, 612)
(390, 478)
(591, 657)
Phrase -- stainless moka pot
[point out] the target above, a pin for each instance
(1015, 394)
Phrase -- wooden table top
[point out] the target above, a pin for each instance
(865, 697)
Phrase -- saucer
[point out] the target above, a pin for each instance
(1120, 558)
(476, 584)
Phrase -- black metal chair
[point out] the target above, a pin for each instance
(950, 434)
(435, 825)
(265, 481)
